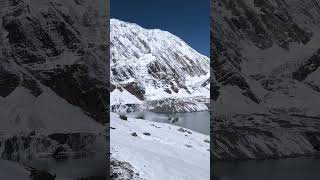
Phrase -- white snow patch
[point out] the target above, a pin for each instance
(118, 97)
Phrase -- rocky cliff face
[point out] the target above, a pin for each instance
(156, 66)
(265, 59)
(58, 46)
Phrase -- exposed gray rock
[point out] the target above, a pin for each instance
(146, 133)
(134, 134)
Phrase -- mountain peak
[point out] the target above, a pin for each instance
(154, 64)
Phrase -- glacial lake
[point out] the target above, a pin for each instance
(75, 166)
(196, 121)
(302, 168)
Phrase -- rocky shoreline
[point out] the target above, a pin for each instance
(265, 136)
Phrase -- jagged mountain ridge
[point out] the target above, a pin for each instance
(154, 65)
(59, 46)
(265, 78)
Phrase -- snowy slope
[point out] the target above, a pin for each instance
(22, 112)
(155, 65)
(122, 96)
(266, 62)
(168, 153)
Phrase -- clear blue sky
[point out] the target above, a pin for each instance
(187, 19)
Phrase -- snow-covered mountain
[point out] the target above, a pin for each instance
(53, 76)
(265, 74)
(56, 47)
(157, 68)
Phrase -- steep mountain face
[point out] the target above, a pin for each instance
(56, 46)
(265, 78)
(53, 77)
(156, 66)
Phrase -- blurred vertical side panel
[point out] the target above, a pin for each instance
(54, 89)
(266, 89)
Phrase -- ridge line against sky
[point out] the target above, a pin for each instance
(187, 19)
